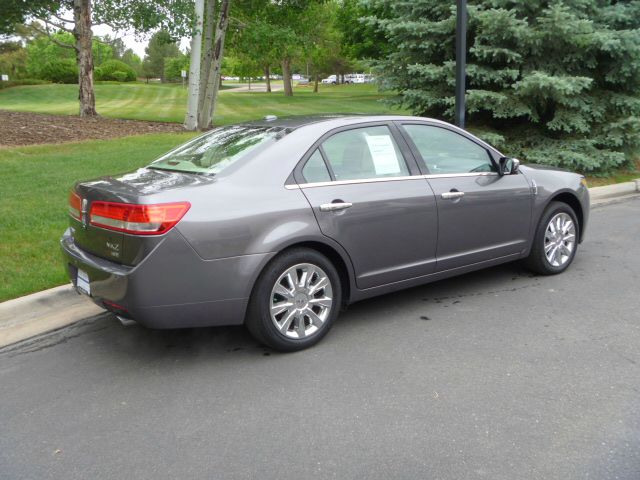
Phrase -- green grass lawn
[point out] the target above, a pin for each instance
(34, 186)
(167, 102)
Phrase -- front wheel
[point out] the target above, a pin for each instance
(295, 301)
(555, 241)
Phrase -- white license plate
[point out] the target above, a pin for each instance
(82, 282)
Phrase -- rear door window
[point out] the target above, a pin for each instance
(362, 153)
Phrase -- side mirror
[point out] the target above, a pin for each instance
(508, 166)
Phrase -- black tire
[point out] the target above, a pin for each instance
(259, 321)
(537, 260)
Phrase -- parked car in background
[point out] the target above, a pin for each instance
(281, 223)
(331, 79)
(354, 78)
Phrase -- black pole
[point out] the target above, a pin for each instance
(461, 59)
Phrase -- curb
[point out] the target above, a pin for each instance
(42, 312)
(49, 310)
(614, 191)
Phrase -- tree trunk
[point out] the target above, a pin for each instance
(315, 83)
(267, 77)
(213, 81)
(207, 57)
(193, 96)
(286, 77)
(83, 37)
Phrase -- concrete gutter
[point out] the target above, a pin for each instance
(49, 310)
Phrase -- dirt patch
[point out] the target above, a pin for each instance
(24, 128)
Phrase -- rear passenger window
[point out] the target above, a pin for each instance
(369, 152)
(315, 170)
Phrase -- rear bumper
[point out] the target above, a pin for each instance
(172, 287)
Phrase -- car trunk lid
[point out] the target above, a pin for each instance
(100, 228)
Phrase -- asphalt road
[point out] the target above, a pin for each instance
(497, 374)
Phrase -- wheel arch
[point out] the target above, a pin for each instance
(572, 200)
(334, 253)
(337, 260)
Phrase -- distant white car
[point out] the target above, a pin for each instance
(354, 78)
(358, 78)
(331, 79)
(350, 78)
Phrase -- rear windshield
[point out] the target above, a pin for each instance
(212, 152)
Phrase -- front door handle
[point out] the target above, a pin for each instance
(452, 195)
(335, 206)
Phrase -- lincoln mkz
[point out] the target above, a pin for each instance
(281, 223)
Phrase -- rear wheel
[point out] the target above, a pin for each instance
(296, 299)
(556, 240)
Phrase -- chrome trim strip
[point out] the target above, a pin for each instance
(453, 175)
(362, 180)
(389, 179)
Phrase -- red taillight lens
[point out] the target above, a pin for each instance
(137, 219)
(75, 205)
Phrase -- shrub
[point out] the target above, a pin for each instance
(115, 70)
(60, 71)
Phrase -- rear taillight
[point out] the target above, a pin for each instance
(75, 205)
(137, 219)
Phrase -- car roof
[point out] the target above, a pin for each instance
(294, 122)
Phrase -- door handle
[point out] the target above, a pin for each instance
(452, 195)
(335, 206)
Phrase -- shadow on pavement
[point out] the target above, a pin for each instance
(215, 343)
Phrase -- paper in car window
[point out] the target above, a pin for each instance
(383, 154)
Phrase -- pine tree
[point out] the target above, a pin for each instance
(555, 82)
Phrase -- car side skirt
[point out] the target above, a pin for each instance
(357, 295)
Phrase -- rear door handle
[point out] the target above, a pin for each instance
(452, 195)
(335, 206)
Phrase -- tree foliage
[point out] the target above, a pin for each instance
(133, 60)
(284, 35)
(13, 60)
(47, 59)
(360, 40)
(555, 82)
(173, 67)
(160, 47)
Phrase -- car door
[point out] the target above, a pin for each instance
(372, 202)
(481, 215)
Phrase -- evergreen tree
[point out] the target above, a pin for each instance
(555, 82)
(160, 47)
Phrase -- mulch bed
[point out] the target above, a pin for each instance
(24, 128)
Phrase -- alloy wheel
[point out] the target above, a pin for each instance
(559, 239)
(301, 301)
